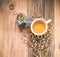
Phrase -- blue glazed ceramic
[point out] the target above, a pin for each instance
(25, 20)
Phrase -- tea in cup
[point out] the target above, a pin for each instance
(39, 26)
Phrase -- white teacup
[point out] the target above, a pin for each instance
(39, 26)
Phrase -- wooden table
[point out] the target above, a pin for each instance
(11, 44)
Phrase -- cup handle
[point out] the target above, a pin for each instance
(48, 21)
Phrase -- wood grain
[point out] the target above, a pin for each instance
(57, 27)
(11, 44)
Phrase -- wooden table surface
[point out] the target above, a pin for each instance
(11, 44)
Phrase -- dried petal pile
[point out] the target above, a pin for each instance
(40, 44)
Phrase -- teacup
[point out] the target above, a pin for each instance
(39, 26)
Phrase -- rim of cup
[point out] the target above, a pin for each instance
(40, 19)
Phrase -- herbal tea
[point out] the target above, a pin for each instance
(39, 27)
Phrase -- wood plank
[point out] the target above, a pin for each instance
(10, 36)
(57, 28)
(43, 8)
